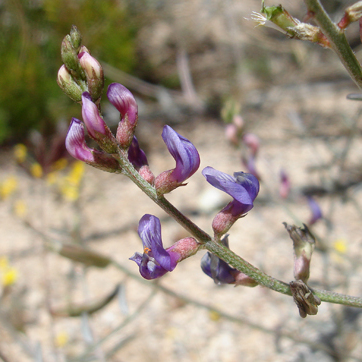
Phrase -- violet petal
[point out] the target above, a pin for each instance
(184, 152)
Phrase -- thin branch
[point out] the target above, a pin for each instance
(337, 40)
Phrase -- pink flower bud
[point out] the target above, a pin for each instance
(284, 187)
(238, 121)
(94, 74)
(252, 142)
(231, 133)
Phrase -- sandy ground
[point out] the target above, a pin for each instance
(149, 324)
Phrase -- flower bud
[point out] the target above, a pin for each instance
(303, 246)
(94, 74)
(68, 85)
(284, 187)
(70, 58)
(76, 37)
(231, 133)
(252, 142)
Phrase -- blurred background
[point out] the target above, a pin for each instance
(248, 98)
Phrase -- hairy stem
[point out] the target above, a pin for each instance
(220, 250)
(337, 40)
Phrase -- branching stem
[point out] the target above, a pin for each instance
(206, 242)
(337, 39)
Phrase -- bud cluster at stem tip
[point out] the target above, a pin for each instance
(80, 72)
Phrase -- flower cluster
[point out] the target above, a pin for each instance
(81, 78)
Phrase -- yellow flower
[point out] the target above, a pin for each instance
(20, 152)
(340, 246)
(60, 164)
(61, 339)
(52, 177)
(8, 274)
(20, 208)
(4, 263)
(77, 172)
(214, 316)
(70, 192)
(9, 277)
(8, 187)
(36, 170)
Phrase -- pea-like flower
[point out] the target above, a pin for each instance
(221, 272)
(155, 260)
(217, 269)
(139, 161)
(315, 210)
(243, 188)
(136, 155)
(77, 147)
(187, 161)
(123, 100)
(97, 128)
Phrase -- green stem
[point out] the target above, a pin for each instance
(220, 250)
(337, 40)
(161, 201)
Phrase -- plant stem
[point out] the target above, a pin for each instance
(161, 201)
(220, 250)
(337, 40)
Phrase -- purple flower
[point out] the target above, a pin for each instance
(315, 209)
(91, 117)
(217, 269)
(243, 187)
(124, 101)
(187, 161)
(221, 272)
(126, 105)
(97, 128)
(77, 147)
(155, 260)
(136, 156)
(285, 185)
